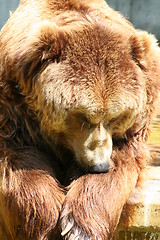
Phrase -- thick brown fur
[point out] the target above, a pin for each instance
(78, 88)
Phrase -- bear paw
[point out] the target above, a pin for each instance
(83, 216)
(71, 230)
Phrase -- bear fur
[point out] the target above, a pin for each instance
(78, 89)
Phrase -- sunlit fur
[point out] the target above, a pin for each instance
(78, 89)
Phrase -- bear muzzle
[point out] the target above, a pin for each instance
(99, 168)
(95, 154)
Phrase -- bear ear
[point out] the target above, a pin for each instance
(47, 40)
(44, 43)
(140, 46)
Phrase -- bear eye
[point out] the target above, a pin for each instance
(119, 142)
(84, 121)
(83, 118)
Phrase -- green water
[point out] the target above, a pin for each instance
(136, 235)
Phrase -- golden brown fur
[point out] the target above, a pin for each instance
(78, 88)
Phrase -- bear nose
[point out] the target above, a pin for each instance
(99, 168)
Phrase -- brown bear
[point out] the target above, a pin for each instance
(78, 88)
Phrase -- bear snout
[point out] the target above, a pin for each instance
(99, 168)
